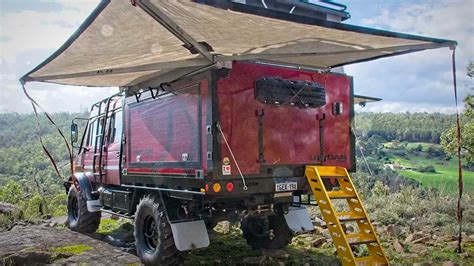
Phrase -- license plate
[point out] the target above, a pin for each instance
(286, 186)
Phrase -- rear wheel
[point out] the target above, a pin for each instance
(254, 232)
(79, 219)
(153, 237)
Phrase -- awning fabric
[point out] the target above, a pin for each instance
(360, 99)
(125, 43)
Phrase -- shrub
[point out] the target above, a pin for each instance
(426, 169)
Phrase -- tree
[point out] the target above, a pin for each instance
(448, 139)
(470, 69)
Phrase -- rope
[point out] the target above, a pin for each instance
(362, 152)
(34, 104)
(233, 157)
(458, 138)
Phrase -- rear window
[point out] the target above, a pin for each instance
(165, 131)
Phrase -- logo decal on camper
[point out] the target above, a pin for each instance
(226, 161)
(329, 157)
(226, 170)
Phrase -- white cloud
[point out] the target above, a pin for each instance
(420, 81)
(27, 38)
(53, 98)
(29, 30)
(401, 107)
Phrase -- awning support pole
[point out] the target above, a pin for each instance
(172, 27)
(459, 140)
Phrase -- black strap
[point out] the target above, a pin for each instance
(459, 140)
(34, 104)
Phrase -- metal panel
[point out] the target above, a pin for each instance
(298, 219)
(291, 135)
(190, 235)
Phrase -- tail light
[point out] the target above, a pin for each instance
(216, 187)
(229, 187)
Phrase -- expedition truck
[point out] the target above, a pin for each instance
(228, 110)
(226, 144)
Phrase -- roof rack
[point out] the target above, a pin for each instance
(323, 9)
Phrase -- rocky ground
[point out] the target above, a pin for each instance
(48, 242)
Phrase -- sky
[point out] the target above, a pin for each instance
(31, 30)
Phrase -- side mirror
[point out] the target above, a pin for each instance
(74, 132)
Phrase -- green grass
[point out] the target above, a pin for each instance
(424, 146)
(446, 177)
(67, 251)
(108, 226)
(74, 249)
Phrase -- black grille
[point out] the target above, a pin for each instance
(285, 92)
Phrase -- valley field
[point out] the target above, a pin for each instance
(424, 163)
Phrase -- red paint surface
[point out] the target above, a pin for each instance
(162, 130)
(290, 134)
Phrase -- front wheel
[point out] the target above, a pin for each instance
(153, 237)
(254, 232)
(79, 219)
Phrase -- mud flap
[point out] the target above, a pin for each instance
(298, 219)
(93, 205)
(190, 235)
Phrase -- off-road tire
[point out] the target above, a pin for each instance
(282, 234)
(79, 219)
(158, 247)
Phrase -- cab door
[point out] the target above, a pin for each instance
(112, 148)
(94, 129)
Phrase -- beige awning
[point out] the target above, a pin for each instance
(122, 44)
(362, 100)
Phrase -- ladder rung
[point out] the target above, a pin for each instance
(360, 236)
(331, 177)
(345, 220)
(362, 242)
(369, 260)
(340, 195)
(331, 171)
(349, 217)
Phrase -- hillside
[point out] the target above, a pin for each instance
(416, 127)
(427, 164)
(412, 205)
(409, 145)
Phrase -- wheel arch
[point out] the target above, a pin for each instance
(81, 182)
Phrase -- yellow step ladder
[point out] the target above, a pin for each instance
(343, 241)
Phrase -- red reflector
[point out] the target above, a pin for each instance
(229, 187)
(206, 187)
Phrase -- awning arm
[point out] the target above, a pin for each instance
(172, 27)
(389, 50)
(221, 58)
(122, 70)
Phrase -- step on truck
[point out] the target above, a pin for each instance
(226, 144)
